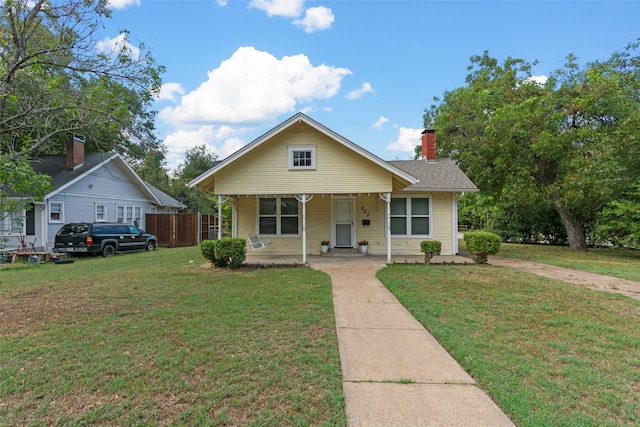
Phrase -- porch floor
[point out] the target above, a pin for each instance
(353, 258)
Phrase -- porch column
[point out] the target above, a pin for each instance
(304, 198)
(387, 198)
(221, 199)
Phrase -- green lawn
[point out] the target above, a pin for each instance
(623, 263)
(159, 339)
(549, 353)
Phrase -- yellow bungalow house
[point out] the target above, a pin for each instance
(301, 183)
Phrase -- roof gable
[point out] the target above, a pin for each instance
(61, 177)
(298, 118)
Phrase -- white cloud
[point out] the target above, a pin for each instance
(118, 44)
(359, 93)
(381, 121)
(541, 80)
(121, 4)
(221, 3)
(168, 92)
(288, 8)
(222, 141)
(408, 139)
(255, 87)
(315, 19)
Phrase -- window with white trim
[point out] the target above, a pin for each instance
(278, 216)
(101, 212)
(411, 216)
(302, 157)
(56, 211)
(128, 214)
(12, 223)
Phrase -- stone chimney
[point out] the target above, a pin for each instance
(75, 152)
(429, 145)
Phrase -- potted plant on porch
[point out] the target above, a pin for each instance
(324, 244)
(364, 245)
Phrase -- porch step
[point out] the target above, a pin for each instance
(343, 252)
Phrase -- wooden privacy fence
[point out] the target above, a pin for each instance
(186, 229)
(174, 230)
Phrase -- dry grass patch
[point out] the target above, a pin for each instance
(157, 339)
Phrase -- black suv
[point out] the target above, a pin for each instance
(102, 238)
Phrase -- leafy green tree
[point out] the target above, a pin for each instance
(153, 169)
(198, 160)
(619, 222)
(54, 80)
(19, 187)
(507, 130)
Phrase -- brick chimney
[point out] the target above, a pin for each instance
(75, 152)
(429, 145)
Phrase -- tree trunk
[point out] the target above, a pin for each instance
(573, 226)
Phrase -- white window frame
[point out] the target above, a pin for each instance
(9, 220)
(408, 216)
(51, 212)
(127, 214)
(137, 215)
(311, 149)
(103, 213)
(278, 216)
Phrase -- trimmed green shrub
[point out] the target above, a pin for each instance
(207, 249)
(228, 252)
(481, 244)
(430, 248)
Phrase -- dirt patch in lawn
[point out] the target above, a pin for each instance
(595, 281)
(27, 312)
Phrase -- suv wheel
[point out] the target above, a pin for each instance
(108, 250)
(151, 246)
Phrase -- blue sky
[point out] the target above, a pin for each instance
(365, 69)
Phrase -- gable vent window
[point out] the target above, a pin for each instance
(302, 158)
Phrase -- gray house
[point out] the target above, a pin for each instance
(91, 187)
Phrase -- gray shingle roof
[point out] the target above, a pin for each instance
(55, 166)
(164, 198)
(439, 175)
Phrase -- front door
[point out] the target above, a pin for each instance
(343, 222)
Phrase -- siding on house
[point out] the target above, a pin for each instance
(111, 186)
(342, 170)
(266, 169)
(371, 207)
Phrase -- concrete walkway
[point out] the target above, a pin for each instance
(394, 372)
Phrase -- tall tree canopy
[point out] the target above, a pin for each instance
(564, 138)
(198, 160)
(56, 79)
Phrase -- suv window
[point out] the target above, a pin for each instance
(122, 229)
(73, 229)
